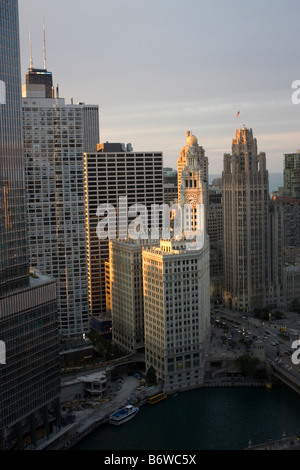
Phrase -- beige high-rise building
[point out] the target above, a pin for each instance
(245, 198)
(177, 286)
(125, 293)
(176, 312)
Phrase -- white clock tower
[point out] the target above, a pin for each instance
(194, 184)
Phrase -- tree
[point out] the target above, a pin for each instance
(151, 376)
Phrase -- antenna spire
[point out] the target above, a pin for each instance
(30, 46)
(44, 36)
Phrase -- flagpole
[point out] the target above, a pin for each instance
(238, 114)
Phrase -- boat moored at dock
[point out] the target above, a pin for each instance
(123, 415)
(156, 398)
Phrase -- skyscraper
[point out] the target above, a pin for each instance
(14, 265)
(291, 174)
(116, 172)
(170, 186)
(176, 312)
(126, 292)
(56, 135)
(176, 284)
(200, 158)
(30, 374)
(41, 77)
(193, 188)
(215, 233)
(245, 198)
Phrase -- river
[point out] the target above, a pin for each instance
(205, 419)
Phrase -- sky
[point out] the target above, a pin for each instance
(159, 68)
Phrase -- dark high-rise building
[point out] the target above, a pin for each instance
(29, 372)
(291, 174)
(13, 242)
(41, 77)
(170, 186)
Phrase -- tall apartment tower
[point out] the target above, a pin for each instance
(30, 371)
(112, 173)
(56, 135)
(245, 199)
(291, 174)
(176, 312)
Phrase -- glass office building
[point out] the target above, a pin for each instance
(30, 371)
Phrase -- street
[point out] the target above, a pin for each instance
(278, 344)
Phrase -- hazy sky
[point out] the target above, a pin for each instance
(158, 68)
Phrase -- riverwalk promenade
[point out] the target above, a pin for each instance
(89, 419)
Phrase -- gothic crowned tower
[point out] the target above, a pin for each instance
(245, 197)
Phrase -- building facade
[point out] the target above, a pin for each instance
(56, 135)
(176, 312)
(215, 233)
(291, 174)
(30, 372)
(194, 187)
(170, 186)
(291, 217)
(126, 294)
(41, 77)
(117, 176)
(199, 156)
(245, 199)
(14, 264)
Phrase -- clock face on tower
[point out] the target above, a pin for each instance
(190, 199)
